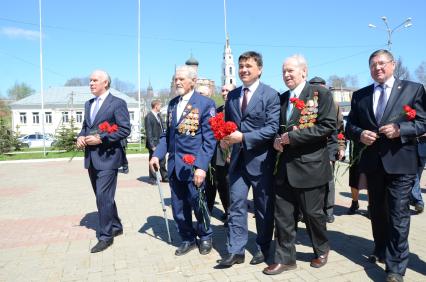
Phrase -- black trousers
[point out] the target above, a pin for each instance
(311, 202)
(388, 198)
(163, 170)
(104, 183)
(220, 184)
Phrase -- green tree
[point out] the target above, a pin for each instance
(8, 139)
(20, 91)
(66, 137)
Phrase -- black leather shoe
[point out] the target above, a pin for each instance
(394, 277)
(205, 246)
(277, 268)
(125, 169)
(257, 258)
(353, 208)
(101, 245)
(117, 232)
(373, 258)
(184, 248)
(330, 218)
(231, 259)
(165, 180)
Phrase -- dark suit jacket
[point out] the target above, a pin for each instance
(177, 144)
(305, 161)
(109, 154)
(398, 155)
(259, 125)
(153, 130)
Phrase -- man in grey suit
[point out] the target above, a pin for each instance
(303, 169)
(154, 129)
(254, 107)
(103, 153)
(390, 158)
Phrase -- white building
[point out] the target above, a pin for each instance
(60, 105)
(228, 66)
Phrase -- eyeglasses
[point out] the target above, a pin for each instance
(380, 65)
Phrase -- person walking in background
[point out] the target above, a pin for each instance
(190, 143)
(125, 167)
(390, 160)
(220, 171)
(154, 129)
(103, 153)
(254, 108)
(416, 199)
(357, 180)
(336, 151)
(307, 119)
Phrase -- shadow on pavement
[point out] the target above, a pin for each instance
(357, 250)
(91, 221)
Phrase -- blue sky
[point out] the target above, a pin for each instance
(80, 36)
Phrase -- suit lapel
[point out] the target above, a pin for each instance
(236, 102)
(394, 95)
(255, 98)
(105, 105)
(295, 115)
(284, 106)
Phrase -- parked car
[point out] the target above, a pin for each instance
(36, 140)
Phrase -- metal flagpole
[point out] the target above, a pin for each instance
(139, 77)
(41, 83)
(163, 206)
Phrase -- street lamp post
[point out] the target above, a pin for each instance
(405, 24)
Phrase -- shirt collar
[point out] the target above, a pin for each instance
(103, 96)
(388, 83)
(299, 88)
(187, 96)
(251, 87)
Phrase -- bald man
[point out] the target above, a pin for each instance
(103, 153)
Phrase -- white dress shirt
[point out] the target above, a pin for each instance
(252, 88)
(183, 101)
(388, 88)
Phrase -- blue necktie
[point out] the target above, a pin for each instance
(381, 104)
(95, 110)
(290, 107)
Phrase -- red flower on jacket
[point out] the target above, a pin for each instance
(297, 103)
(340, 136)
(410, 113)
(106, 127)
(188, 159)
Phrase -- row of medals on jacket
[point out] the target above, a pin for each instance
(190, 123)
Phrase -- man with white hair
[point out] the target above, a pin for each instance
(308, 117)
(104, 153)
(188, 134)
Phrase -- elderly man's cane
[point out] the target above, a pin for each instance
(157, 173)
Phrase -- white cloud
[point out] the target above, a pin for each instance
(14, 32)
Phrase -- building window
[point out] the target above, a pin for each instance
(132, 116)
(36, 118)
(65, 117)
(48, 117)
(79, 117)
(230, 81)
(23, 118)
(230, 70)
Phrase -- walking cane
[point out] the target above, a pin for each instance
(157, 173)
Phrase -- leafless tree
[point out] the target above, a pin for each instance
(421, 73)
(401, 71)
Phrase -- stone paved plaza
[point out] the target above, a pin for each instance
(48, 223)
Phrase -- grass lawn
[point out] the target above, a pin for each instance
(37, 153)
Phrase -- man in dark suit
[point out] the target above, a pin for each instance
(303, 169)
(103, 153)
(188, 133)
(153, 130)
(254, 107)
(336, 152)
(390, 158)
(220, 169)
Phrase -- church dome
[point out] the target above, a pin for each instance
(191, 61)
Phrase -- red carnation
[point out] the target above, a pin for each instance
(188, 159)
(340, 136)
(410, 113)
(103, 127)
(220, 128)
